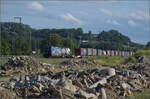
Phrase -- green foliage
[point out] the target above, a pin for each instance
(56, 40)
(5, 47)
(148, 45)
(114, 60)
(21, 47)
(108, 61)
(141, 53)
(142, 95)
(114, 36)
(129, 60)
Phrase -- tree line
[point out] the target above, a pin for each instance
(21, 39)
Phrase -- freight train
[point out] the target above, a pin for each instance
(53, 51)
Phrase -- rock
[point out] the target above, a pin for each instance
(111, 72)
(82, 94)
(40, 86)
(129, 92)
(13, 79)
(67, 84)
(125, 86)
(78, 84)
(11, 85)
(27, 78)
(18, 84)
(103, 93)
(22, 78)
(38, 78)
(136, 87)
(35, 89)
(102, 82)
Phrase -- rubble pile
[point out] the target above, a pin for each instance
(111, 82)
(79, 63)
(100, 83)
(23, 63)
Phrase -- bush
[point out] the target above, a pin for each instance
(141, 53)
(129, 60)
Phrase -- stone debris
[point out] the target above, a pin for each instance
(78, 63)
(24, 64)
(114, 82)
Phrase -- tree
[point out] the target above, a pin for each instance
(90, 35)
(148, 45)
(52, 40)
(5, 47)
(21, 47)
(55, 40)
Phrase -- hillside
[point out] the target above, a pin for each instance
(112, 39)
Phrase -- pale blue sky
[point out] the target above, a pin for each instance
(129, 17)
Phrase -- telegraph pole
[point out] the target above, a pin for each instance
(20, 19)
(79, 41)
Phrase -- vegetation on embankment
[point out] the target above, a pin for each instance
(142, 52)
(114, 60)
(143, 95)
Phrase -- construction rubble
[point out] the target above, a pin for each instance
(113, 82)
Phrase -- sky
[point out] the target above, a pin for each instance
(130, 17)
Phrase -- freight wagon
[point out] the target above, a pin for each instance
(81, 52)
(53, 51)
(116, 53)
(65, 52)
(112, 53)
(94, 52)
(104, 52)
(108, 52)
(99, 52)
(89, 52)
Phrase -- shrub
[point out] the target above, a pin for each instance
(129, 60)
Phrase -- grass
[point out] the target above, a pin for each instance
(113, 60)
(3, 60)
(54, 61)
(142, 52)
(108, 61)
(145, 94)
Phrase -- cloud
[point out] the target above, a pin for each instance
(131, 23)
(107, 12)
(36, 6)
(110, 13)
(114, 22)
(70, 17)
(139, 15)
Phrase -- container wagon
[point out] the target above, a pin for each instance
(122, 53)
(80, 52)
(126, 53)
(53, 51)
(94, 52)
(116, 53)
(89, 52)
(65, 52)
(108, 52)
(112, 53)
(99, 52)
(104, 52)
